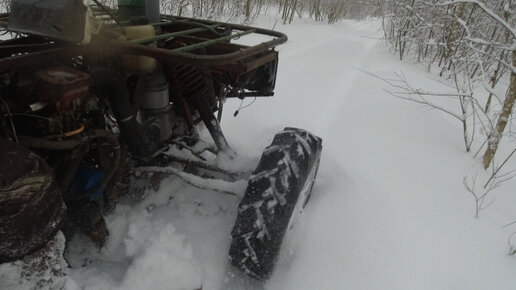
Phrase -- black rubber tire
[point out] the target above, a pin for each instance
(286, 169)
(31, 204)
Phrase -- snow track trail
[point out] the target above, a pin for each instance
(388, 210)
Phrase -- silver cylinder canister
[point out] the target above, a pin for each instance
(155, 103)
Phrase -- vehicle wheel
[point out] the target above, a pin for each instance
(278, 189)
(31, 205)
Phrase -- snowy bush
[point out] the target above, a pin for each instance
(472, 43)
(246, 10)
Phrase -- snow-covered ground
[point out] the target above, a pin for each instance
(389, 209)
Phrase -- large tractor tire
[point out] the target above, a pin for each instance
(279, 188)
(31, 205)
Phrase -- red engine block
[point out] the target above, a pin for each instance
(63, 89)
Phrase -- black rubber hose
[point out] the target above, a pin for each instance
(143, 141)
(40, 143)
(113, 85)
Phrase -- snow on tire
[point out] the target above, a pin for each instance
(281, 184)
(31, 205)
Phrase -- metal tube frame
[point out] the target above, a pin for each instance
(116, 47)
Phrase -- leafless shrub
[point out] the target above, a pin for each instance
(246, 10)
(329, 11)
(480, 194)
(5, 5)
(473, 43)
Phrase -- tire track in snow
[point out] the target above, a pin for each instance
(332, 231)
(322, 81)
(389, 210)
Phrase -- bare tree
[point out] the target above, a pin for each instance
(480, 195)
(473, 44)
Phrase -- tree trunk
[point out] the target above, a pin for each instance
(247, 10)
(508, 104)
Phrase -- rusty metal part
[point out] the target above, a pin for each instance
(224, 174)
(190, 83)
(30, 58)
(9, 48)
(213, 41)
(186, 112)
(193, 179)
(212, 124)
(31, 205)
(111, 48)
(220, 110)
(182, 105)
(173, 57)
(62, 88)
(255, 94)
(169, 36)
(184, 80)
(248, 64)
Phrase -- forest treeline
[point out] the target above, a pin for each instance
(473, 43)
(328, 11)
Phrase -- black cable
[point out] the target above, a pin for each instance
(240, 108)
(15, 135)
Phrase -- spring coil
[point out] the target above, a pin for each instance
(188, 81)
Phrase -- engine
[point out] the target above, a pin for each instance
(76, 120)
(48, 103)
(86, 95)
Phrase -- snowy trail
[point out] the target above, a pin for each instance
(388, 211)
(325, 96)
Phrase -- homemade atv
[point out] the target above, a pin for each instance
(91, 97)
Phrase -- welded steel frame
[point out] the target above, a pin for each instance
(34, 51)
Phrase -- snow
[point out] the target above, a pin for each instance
(388, 211)
(43, 269)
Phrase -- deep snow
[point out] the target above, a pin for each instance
(389, 210)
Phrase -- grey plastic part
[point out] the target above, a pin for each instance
(58, 19)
